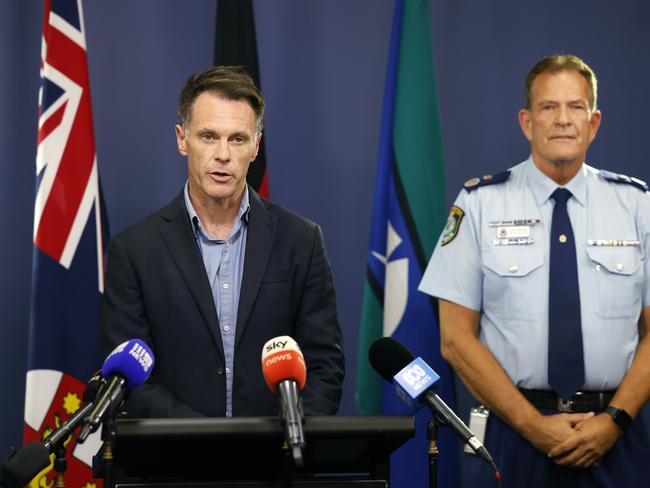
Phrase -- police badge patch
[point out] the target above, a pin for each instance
(453, 224)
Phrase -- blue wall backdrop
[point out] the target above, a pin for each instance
(322, 67)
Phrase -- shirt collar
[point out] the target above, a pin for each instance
(542, 186)
(242, 214)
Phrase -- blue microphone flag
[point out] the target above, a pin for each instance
(133, 360)
(413, 380)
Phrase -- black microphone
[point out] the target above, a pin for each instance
(25, 463)
(126, 368)
(388, 357)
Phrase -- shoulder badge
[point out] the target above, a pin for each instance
(474, 183)
(450, 231)
(620, 178)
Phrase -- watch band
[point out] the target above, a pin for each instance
(620, 416)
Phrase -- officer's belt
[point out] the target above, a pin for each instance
(581, 402)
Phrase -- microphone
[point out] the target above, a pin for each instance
(25, 463)
(284, 370)
(414, 381)
(126, 368)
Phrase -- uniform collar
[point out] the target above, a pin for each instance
(542, 186)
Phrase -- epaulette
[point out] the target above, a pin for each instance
(627, 180)
(474, 183)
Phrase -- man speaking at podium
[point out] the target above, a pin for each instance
(208, 279)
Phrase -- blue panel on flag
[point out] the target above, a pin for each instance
(68, 11)
(66, 306)
(51, 93)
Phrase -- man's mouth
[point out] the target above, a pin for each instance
(219, 175)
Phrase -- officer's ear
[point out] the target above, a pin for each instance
(525, 123)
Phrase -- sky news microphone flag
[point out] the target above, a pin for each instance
(70, 235)
(408, 216)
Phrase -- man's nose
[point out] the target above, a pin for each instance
(563, 116)
(222, 151)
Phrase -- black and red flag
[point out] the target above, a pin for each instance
(236, 44)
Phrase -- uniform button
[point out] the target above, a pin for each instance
(514, 268)
(225, 285)
(562, 238)
(619, 267)
(226, 328)
(219, 370)
(598, 267)
(227, 370)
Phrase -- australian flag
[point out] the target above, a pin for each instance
(70, 235)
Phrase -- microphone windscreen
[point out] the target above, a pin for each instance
(388, 357)
(24, 464)
(282, 360)
(132, 360)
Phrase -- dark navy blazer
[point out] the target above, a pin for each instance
(157, 290)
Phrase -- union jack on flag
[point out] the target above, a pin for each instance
(70, 235)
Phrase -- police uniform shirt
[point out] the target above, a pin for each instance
(493, 257)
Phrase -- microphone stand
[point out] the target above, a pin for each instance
(60, 465)
(432, 435)
(109, 434)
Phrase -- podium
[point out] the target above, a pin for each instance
(249, 452)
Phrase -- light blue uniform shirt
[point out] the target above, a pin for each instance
(509, 284)
(224, 265)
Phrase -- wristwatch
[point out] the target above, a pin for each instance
(620, 417)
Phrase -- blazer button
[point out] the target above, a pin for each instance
(219, 370)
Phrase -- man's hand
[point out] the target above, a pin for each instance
(592, 438)
(550, 431)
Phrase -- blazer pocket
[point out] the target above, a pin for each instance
(279, 276)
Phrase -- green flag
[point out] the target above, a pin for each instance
(409, 213)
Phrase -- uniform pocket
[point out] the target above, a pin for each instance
(513, 280)
(618, 279)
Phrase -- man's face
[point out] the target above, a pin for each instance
(560, 124)
(220, 144)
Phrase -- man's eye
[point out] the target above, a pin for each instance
(207, 137)
(238, 140)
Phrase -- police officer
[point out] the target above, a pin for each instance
(543, 279)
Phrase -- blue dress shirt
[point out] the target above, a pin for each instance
(508, 283)
(224, 265)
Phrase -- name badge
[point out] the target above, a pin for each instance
(513, 232)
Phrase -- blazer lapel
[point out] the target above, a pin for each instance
(179, 237)
(261, 231)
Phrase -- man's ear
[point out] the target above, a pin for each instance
(181, 140)
(524, 117)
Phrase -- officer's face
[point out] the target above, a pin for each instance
(559, 125)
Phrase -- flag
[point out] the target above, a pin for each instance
(409, 213)
(70, 235)
(236, 44)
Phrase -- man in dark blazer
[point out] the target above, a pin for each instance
(211, 277)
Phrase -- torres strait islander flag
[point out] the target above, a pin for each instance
(70, 235)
